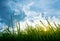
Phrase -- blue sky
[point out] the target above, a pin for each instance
(28, 10)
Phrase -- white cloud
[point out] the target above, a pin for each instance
(15, 7)
(32, 15)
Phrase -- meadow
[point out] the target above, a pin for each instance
(37, 33)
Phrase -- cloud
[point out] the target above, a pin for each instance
(43, 4)
(48, 6)
(11, 8)
(30, 11)
(35, 10)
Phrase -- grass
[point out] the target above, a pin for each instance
(39, 33)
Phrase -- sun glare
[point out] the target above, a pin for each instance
(45, 29)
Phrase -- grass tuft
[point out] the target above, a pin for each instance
(37, 33)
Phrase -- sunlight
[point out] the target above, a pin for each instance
(45, 29)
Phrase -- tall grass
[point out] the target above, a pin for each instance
(37, 33)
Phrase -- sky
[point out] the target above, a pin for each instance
(28, 11)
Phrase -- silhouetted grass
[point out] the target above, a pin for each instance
(37, 33)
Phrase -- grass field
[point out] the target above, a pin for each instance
(37, 33)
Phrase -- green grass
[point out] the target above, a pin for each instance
(39, 33)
